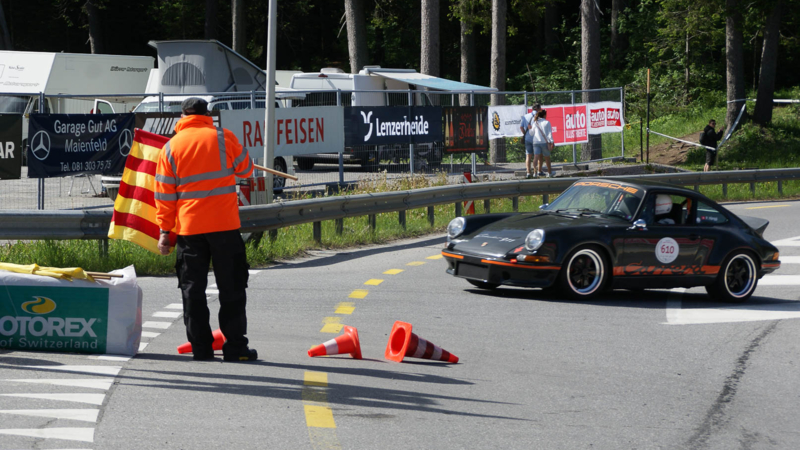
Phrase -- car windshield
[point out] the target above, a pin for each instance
(169, 106)
(12, 104)
(599, 197)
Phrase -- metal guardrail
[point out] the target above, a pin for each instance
(35, 225)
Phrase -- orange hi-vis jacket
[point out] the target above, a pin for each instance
(195, 183)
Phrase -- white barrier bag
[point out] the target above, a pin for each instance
(39, 313)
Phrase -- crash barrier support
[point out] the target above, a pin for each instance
(92, 224)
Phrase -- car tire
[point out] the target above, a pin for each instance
(585, 273)
(483, 285)
(279, 182)
(737, 279)
(305, 164)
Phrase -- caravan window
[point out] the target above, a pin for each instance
(12, 104)
(219, 107)
(153, 107)
(35, 106)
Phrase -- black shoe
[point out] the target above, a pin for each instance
(248, 354)
(203, 356)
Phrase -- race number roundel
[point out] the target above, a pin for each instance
(667, 250)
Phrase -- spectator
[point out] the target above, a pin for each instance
(525, 126)
(709, 137)
(542, 142)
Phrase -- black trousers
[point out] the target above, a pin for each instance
(225, 249)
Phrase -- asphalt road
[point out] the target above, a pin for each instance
(654, 370)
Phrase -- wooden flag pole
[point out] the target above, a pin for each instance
(275, 172)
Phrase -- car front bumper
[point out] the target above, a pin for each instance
(495, 271)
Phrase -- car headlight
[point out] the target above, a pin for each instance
(534, 239)
(456, 227)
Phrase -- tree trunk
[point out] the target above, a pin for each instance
(734, 58)
(95, 36)
(211, 19)
(467, 51)
(590, 70)
(429, 42)
(498, 69)
(5, 36)
(686, 72)
(238, 24)
(614, 51)
(769, 63)
(551, 20)
(356, 34)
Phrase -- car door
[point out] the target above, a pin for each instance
(668, 248)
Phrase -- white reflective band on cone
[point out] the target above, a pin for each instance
(421, 347)
(437, 353)
(331, 347)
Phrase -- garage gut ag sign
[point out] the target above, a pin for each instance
(55, 319)
(68, 144)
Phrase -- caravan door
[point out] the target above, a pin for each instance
(102, 107)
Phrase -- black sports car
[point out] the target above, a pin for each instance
(608, 233)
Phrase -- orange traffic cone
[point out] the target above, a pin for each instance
(219, 339)
(346, 343)
(402, 343)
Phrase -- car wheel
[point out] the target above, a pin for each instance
(737, 279)
(483, 284)
(279, 182)
(584, 273)
(305, 164)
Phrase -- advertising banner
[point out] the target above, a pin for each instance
(605, 117)
(164, 123)
(68, 144)
(380, 125)
(298, 131)
(568, 123)
(39, 313)
(504, 121)
(465, 129)
(10, 146)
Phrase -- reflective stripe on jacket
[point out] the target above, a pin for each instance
(195, 182)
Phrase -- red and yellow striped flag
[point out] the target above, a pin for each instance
(134, 216)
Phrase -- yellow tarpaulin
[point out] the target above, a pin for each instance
(68, 273)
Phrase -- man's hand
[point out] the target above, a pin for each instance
(163, 244)
(551, 145)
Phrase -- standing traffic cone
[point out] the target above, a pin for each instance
(346, 343)
(402, 343)
(219, 339)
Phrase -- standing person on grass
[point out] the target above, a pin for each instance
(709, 137)
(196, 197)
(542, 142)
(525, 126)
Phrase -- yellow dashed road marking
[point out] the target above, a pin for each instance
(416, 263)
(319, 417)
(393, 271)
(332, 325)
(373, 282)
(771, 206)
(315, 379)
(359, 293)
(435, 257)
(345, 308)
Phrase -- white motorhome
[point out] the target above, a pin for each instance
(347, 89)
(103, 77)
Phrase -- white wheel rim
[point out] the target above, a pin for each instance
(741, 274)
(579, 272)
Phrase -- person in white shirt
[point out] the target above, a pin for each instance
(525, 128)
(543, 144)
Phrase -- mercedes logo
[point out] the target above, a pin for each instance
(125, 142)
(40, 145)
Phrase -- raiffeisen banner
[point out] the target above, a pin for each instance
(298, 131)
(40, 313)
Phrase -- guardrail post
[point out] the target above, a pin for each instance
(401, 216)
(487, 206)
(780, 187)
(753, 188)
(430, 215)
(318, 232)
(697, 188)
(339, 227)
(458, 209)
(515, 204)
(373, 223)
(102, 246)
(545, 199)
(724, 190)
(273, 235)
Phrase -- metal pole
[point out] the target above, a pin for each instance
(253, 100)
(269, 114)
(574, 147)
(647, 137)
(622, 114)
(161, 102)
(341, 150)
(41, 180)
(410, 145)
(474, 167)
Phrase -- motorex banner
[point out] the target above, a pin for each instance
(505, 121)
(39, 313)
(68, 144)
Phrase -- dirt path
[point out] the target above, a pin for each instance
(672, 152)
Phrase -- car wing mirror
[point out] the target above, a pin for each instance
(544, 206)
(639, 224)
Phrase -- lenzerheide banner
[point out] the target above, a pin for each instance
(381, 125)
(505, 121)
(69, 144)
(10, 147)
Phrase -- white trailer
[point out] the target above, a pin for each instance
(106, 77)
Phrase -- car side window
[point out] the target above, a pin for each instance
(709, 215)
(219, 106)
(667, 209)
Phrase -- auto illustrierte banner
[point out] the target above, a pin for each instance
(380, 125)
(10, 146)
(69, 144)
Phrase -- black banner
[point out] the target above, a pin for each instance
(68, 144)
(164, 123)
(465, 129)
(380, 125)
(10, 146)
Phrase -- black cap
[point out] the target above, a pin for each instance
(194, 105)
(537, 106)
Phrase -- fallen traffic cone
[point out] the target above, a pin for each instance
(219, 339)
(402, 343)
(346, 343)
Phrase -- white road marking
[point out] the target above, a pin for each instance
(111, 358)
(674, 305)
(92, 399)
(96, 370)
(142, 346)
(90, 383)
(70, 434)
(790, 260)
(743, 313)
(175, 306)
(780, 280)
(159, 325)
(85, 415)
(212, 291)
(169, 314)
(788, 242)
(253, 272)
(150, 334)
